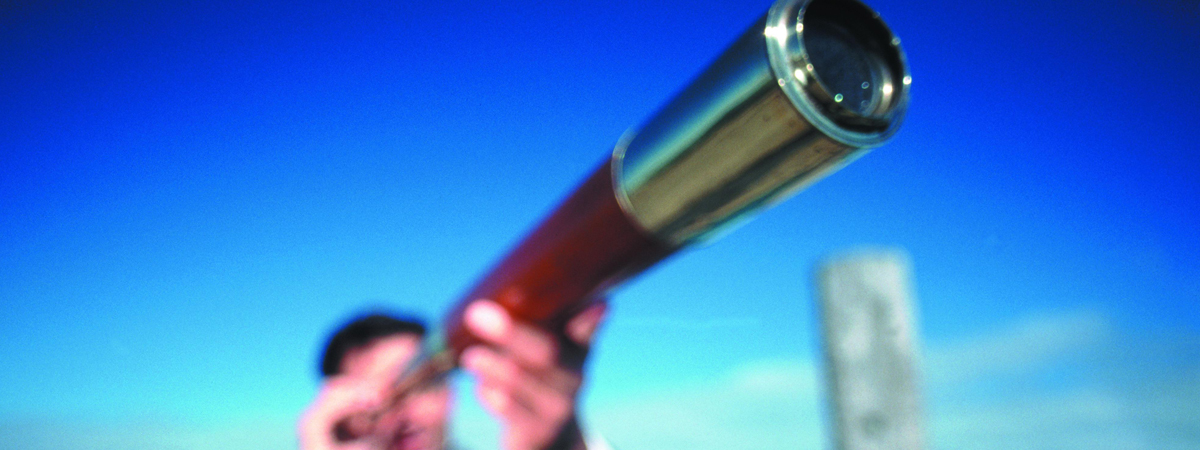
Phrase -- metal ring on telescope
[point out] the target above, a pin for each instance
(841, 66)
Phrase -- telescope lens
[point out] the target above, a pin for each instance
(840, 66)
(844, 66)
(854, 58)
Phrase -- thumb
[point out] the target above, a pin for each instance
(581, 328)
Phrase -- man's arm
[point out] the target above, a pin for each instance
(530, 378)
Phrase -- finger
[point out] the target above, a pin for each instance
(337, 400)
(495, 369)
(528, 423)
(532, 397)
(581, 328)
(522, 385)
(340, 397)
(530, 345)
(545, 404)
(517, 422)
(487, 320)
(488, 366)
(512, 409)
(494, 399)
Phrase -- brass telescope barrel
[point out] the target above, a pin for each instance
(805, 90)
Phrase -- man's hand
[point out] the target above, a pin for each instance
(339, 398)
(528, 377)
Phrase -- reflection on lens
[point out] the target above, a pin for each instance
(843, 65)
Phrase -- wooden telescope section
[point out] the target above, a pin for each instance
(805, 90)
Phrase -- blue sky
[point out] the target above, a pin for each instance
(192, 194)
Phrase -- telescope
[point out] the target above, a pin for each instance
(804, 91)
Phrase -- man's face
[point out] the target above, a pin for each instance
(419, 421)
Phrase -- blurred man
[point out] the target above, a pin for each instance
(528, 378)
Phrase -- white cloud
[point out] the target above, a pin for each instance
(1065, 380)
(768, 404)
(1016, 348)
(778, 404)
(1081, 419)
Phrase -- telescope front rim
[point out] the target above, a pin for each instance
(805, 72)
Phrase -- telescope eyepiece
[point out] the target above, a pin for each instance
(841, 66)
(803, 91)
(845, 69)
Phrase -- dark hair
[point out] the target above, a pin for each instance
(362, 331)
